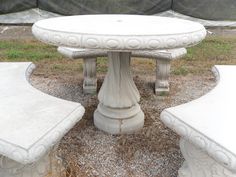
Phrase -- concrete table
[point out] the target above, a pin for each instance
(118, 111)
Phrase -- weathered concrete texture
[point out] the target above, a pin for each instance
(31, 122)
(207, 128)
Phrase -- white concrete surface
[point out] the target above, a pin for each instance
(208, 123)
(119, 32)
(31, 122)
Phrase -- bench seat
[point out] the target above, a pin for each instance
(76, 53)
(162, 57)
(207, 128)
(31, 122)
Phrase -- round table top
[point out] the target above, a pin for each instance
(119, 32)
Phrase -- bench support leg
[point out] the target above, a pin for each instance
(162, 76)
(10, 168)
(199, 164)
(90, 79)
(118, 111)
(48, 166)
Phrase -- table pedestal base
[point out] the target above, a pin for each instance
(118, 111)
(118, 121)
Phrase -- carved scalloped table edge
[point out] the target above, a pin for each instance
(128, 43)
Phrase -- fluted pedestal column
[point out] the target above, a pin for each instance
(118, 111)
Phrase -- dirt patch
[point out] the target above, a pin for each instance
(223, 31)
(15, 32)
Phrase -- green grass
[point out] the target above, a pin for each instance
(45, 56)
(102, 64)
(199, 60)
(27, 51)
(32, 55)
(211, 48)
(23, 45)
(182, 70)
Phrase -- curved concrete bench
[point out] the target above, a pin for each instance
(31, 123)
(163, 57)
(207, 129)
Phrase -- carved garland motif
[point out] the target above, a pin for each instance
(118, 42)
(218, 153)
(199, 164)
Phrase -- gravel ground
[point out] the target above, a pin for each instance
(151, 152)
